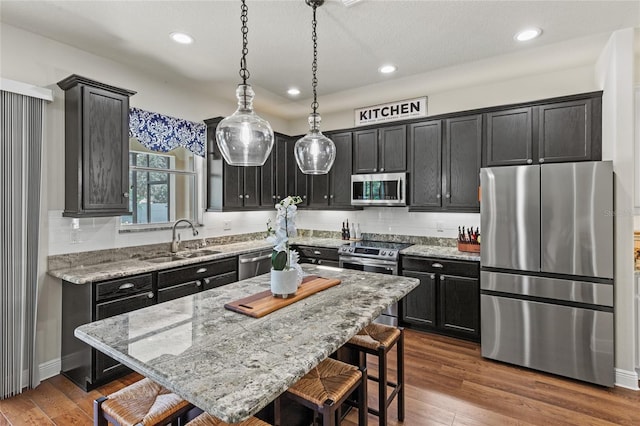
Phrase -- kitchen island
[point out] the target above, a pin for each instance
(232, 365)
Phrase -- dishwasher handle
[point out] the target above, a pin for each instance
(254, 259)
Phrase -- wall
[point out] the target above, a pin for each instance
(614, 71)
(40, 61)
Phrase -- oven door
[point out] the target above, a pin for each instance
(390, 315)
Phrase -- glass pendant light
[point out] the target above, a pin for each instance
(315, 153)
(244, 138)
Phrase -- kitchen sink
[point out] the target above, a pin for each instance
(181, 256)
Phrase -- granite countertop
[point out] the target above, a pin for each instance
(94, 271)
(232, 365)
(440, 251)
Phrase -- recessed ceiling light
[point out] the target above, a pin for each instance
(528, 34)
(387, 69)
(181, 38)
(293, 91)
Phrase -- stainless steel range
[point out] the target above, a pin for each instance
(374, 256)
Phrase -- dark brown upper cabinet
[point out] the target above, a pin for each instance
(333, 190)
(273, 174)
(425, 151)
(380, 150)
(96, 148)
(297, 182)
(561, 130)
(461, 163)
(509, 137)
(229, 187)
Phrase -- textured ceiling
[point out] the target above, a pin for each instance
(418, 36)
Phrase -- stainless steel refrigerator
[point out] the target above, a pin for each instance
(547, 268)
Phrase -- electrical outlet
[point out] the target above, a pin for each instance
(226, 225)
(439, 227)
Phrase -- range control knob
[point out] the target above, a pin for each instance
(391, 253)
(382, 253)
(351, 250)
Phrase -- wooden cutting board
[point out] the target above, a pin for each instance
(263, 303)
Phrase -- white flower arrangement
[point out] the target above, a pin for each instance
(284, 228)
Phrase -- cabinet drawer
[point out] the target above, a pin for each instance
(195, 272)
(123, 305)
(317, 252)
(124, 287)
(441, 266)
(180, 290)
(219, 280)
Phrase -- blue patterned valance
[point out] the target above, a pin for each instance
(163, 133)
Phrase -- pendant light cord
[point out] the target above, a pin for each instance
(244, 72)
(314, 66)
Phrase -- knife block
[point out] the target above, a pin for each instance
(468, 247)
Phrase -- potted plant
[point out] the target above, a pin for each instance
(286, 273)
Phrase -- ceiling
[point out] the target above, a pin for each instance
(418, 36)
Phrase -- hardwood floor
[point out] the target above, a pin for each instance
(447, 383)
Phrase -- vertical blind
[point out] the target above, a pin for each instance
(20, 177)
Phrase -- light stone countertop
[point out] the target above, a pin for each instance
(440, 251)
(232, 365)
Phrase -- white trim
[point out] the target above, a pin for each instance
(50, 368)
(637, 151)
(26, 89)
(627, 379)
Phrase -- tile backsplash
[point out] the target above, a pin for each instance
(67, 235)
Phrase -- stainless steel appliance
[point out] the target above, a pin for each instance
(253, 264)
(547, 268)
(381, 189)
(374, 256)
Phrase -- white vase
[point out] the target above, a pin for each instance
(284, 283)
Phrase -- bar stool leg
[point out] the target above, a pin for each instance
(400, 360)
(382, 386)
(98, 418)
(363, 404)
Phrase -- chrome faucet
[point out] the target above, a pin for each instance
(175, 244)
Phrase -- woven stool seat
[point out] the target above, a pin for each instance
(331, 380)
(375, 335)
(206, 419)
(141, 403)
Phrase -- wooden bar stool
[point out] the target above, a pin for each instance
(206, 419)
(378, 339)
(325, 388)
(141, 403)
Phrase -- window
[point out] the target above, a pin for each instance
(162, 186)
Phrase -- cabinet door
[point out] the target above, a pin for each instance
(509, 137)
(365, 151)
(296, 180)
(280, 166)
(319, 191)
(459, 310)
(565, 131)
(251, 187)
(268, 181)
(105, 150)
(393, 149)
(340, 175)
(425, 142)
(233, 186)
(419, 306)
(462, 163)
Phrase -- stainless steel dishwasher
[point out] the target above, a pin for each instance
(254, 263)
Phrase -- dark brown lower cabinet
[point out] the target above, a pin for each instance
(83, 303)
(447, 300)
(318, 255)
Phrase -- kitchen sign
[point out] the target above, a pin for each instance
(393, 111)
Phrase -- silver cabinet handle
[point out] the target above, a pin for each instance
(207, 280)
(150, 295)
(441, 277)
(201, 270)
(125, 286)
(382, 169)
(325, 197)
(255, 259)
(246, 196)
(125, 194)
(304, 197)
(317, 252)
(278, 197)
(529, 161)
(448, 195)
(240, 196)
(198, 283)
(437, 265)
(375, 170)
(541, 160)
(432, 276)
(273, 197)
(331, 196)
(438, 196)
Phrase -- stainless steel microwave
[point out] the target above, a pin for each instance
(380, 189)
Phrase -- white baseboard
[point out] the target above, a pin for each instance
(627, 379)
(50, 368)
